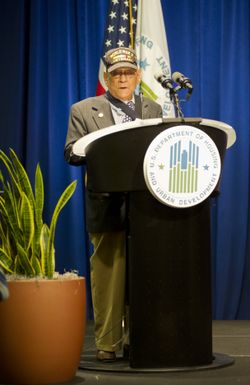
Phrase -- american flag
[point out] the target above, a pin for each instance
(119, 32)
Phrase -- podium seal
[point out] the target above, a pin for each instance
(182, 166)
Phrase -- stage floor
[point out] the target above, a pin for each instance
(230, 338)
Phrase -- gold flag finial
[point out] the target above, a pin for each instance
(131, 33)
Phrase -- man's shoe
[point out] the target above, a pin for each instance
(105, 356)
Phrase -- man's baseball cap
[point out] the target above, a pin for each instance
(120, 57)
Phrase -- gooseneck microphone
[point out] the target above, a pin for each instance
(164, 81)
(182, 80)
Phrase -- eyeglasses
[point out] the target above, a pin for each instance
(116, 74)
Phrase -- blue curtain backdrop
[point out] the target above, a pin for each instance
(50, 51)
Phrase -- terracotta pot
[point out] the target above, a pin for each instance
(42, 328)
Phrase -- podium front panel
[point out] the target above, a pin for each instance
(169, 284)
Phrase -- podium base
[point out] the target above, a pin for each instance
(89, 362)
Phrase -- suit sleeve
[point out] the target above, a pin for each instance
(76, 130)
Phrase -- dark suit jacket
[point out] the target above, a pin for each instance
(104, 212)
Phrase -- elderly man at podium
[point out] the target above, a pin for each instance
(105, 213)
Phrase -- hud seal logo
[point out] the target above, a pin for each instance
(182, 166)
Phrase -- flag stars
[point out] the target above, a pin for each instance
(108, 43)
(125, 16)
(120, 43)
(110, 28)
(115, 2)
(122, 29)
(112, 15)
(126, 3)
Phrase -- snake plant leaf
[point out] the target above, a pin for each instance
(24, 266)
(10, 214)
(51, 262)
(27, 217)
(4, 212)
(11, 171)
(5, 261)
(6, 243)
(22, 177)
(39, 197)
(66, 195)
(36, 265)
(44, 242)
(38, 211)
(2, 178)
(3, 234)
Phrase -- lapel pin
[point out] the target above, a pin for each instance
(100, 115)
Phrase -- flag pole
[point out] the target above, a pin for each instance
(131, 25)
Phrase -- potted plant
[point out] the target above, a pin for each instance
(42, 324)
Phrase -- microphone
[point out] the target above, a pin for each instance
(164, 81)
(183, 81)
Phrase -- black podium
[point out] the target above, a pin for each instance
(168, 251)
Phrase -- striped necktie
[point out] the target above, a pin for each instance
(127, 118)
